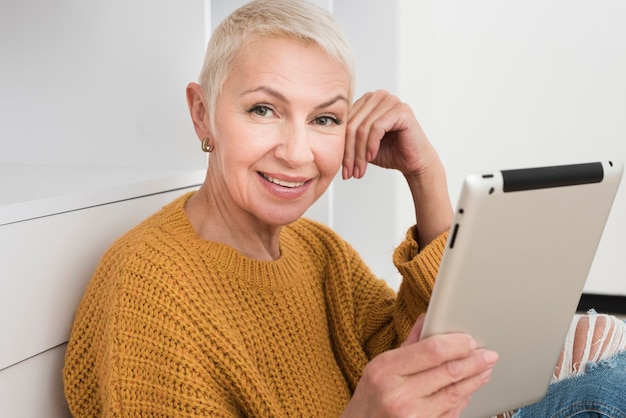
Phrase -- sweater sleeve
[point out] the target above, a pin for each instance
(131, 355)
(419, 268)
(387, 318)
(367, 316)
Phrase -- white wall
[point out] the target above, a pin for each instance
(373, 213)
(90, 83)
(494, 84)
(509, 84)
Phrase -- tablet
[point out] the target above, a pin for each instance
(517, 257)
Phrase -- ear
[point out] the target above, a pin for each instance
(198, 109)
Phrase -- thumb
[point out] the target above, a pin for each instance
(414, 335)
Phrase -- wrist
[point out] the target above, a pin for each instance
(433, 210)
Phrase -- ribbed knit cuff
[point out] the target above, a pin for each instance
(408, 251)
(419, 270)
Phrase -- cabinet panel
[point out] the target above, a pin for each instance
(34, 388)
(46, 264)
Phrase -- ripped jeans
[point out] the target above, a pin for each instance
(590, 378)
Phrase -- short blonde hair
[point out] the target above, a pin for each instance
(294, 19)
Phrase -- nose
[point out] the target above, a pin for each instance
(295, 145)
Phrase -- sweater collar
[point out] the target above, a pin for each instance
(223, 260)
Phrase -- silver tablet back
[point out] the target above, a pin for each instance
(517, 258)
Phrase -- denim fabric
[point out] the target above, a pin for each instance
(598, 392)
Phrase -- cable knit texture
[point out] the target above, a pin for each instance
(175, 326)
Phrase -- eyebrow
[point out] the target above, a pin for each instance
(334, 100)
(283, 98)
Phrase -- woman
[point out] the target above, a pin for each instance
(228, 303)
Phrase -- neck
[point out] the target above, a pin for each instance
(214, 221)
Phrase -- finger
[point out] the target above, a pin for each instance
(439, 349)
(428, 353)
(456, 411)
(457, 396)
(454, 371)
(354, 133)
(362, 132)
(414, 335)
(448, 400)
(386, 142)
(349, 151)
(371, 127)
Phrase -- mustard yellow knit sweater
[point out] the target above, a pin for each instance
(175, 326)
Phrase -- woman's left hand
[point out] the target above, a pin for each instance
(383, 131)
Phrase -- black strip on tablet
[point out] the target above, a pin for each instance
(453, 237)
(555, 176)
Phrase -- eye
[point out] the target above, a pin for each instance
(261, 110)
(326, 121)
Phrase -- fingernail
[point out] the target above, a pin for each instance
(490, 356)
(344, 173)
(356, 172)
(486, 375)
(473, 344)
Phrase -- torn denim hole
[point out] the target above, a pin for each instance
(592, 340)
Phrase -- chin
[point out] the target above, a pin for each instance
(282, 217)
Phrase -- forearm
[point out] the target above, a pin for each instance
(433, 210)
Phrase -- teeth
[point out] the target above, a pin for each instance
(282, 182)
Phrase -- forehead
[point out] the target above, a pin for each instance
(289, 62)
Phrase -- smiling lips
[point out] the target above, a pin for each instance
(284, 183)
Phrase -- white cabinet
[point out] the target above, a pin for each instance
(55, 224)
(94, 84)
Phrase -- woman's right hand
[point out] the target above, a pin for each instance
(434, 377)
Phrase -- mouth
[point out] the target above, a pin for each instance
(283, 183)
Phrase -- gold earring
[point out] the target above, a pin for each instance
(205, 145)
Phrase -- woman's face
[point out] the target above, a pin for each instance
(279, 129)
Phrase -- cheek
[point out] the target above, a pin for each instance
(329, 157)
(239, 146)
